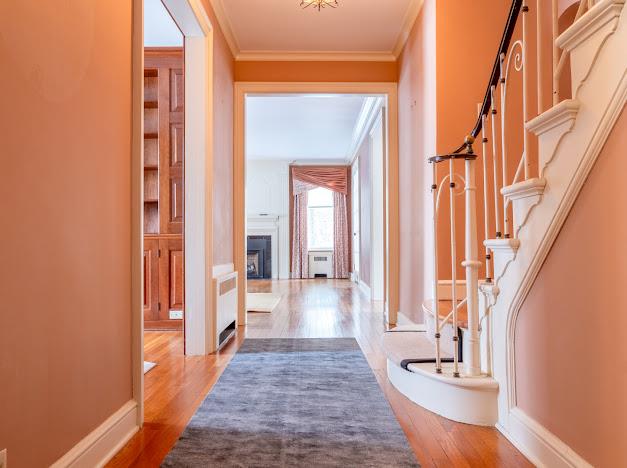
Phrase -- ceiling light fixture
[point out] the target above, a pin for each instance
(319, 4)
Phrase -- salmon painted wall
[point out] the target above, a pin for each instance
(570, 349)
(464, 64)
(316, 71)
(65, 320)
(224, 74)
(417, 140)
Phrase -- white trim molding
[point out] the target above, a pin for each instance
(98, 447)
(312, 56)
(538, 444)
(367, 115)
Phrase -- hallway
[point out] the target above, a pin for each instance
(308, 309)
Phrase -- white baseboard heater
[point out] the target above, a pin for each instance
(321, 264)
(225, 305)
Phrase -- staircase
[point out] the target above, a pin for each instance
(462, 364)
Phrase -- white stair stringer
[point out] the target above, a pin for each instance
(571, 136)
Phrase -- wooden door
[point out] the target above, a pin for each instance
(164, 109)
(151, 279)
(171, 276)
(171, 104)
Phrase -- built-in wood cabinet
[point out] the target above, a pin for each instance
(164, 190)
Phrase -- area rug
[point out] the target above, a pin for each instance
(297, 403)
(262, 302)
(148, 366)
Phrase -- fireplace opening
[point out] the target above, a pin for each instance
(259, 257)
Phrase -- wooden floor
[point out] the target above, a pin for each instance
(309, 308)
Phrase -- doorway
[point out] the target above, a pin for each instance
(258, 178)
(172, 146)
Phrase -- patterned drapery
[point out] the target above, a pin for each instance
(300, 257)
(340, 236)
(334, 178)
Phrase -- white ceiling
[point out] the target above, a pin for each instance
(302, 128)
(159, 27)
(357, 26)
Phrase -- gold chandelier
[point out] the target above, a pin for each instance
(319, 4)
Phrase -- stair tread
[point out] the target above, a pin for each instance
(400, 344)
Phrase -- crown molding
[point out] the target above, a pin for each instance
(315, 56)
(225, 26)
(408, 24)
(312, 56)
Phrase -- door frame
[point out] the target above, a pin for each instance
(194, 23)
(356, 220)
(390, 92)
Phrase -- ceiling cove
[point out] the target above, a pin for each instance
(280, 30)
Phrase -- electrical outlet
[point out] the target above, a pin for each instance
(174, 315)
(3, 458)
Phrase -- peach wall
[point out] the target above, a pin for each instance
(224, 73)
(65, 320)
(316, 71)
(464, 63)
(570, 349)
(417, 137)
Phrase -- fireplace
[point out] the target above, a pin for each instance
(259, 257)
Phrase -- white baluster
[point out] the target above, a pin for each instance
(472, 362)
(526, 82)
(486, 218)
(434, 294)
(556, 52)
(453, 269)
(497, 212)
(503, 103)
(540, 54)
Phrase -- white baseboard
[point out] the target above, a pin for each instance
(538, 444)
(365, 288)
(98, 447)
(224, 269)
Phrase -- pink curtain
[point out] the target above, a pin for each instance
(334, 178)
(300, 256)
(340, 236)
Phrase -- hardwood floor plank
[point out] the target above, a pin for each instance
(308, 309)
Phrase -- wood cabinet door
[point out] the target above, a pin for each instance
(171, 105)
(151, 279)
(171, 276)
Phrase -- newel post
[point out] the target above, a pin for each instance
(472, 359)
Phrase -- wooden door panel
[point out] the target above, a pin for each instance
(177, 90)
(171, 277)
(176, 204)
(177, 295)
(151, 279)
(177, 139)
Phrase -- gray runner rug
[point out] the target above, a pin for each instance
(294, 402)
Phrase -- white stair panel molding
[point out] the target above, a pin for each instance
(523, 196)
(585, 38)
(551, 126)
(503, 253)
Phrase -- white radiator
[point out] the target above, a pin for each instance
(321, 264)
(225, 301)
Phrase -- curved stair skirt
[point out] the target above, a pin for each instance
(470, 400)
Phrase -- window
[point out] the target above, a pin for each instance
(320, 219)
